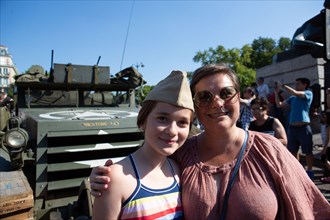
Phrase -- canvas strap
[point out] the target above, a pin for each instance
(232, 178)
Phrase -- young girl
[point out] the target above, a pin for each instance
(146, 184)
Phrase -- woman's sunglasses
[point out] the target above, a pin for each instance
(205, 98)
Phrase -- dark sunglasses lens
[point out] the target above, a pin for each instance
(203, 98)
(227, 93)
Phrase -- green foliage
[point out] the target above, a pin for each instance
(246, 52)
(11, 91)
(246, 60)
(284, 44)
(142, 92)
(189, 75)
(262, 52)
(246, 75)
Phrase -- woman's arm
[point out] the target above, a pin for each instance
(280, 132)
(244, 101)
(108, 206)
(279, 103)
(99, 179)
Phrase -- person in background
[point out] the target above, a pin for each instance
(262, 88)
(325, 153)
(265, 123)
(276, 112)
(229, 173)
(323, 126)
(246, 115)
(5, 100)
(146, 183)
(299, 130)
(254, 85)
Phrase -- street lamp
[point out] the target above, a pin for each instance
(137, 65)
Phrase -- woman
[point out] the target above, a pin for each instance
(269, 182)
(265, 123)
(146, 184)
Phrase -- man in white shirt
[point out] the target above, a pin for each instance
(262, 88)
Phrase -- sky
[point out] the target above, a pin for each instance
(161, 35)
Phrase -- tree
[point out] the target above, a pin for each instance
(238, 60)
(263, 50)
(189, 75)
(143, 91)
(284, 44)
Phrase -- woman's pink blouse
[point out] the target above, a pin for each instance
(270, 184)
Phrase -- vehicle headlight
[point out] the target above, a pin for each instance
(16, 139)
(14, 142)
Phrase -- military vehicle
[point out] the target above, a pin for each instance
(63, 125)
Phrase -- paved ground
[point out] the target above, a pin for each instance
(318, 167)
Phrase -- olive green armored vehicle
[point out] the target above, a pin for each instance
(63, 125)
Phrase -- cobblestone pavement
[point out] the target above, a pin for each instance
(318, 174)
(318, 167)
(324, 187)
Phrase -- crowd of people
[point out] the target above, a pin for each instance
(285, 114)
(226, 172)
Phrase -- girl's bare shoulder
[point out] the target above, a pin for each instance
(122, 179)
(122, 169)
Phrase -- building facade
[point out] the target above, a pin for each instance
(8, 70)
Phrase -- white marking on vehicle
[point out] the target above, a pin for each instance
(102, 146)
(102, 132)
(88, 115)
(95, 163)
